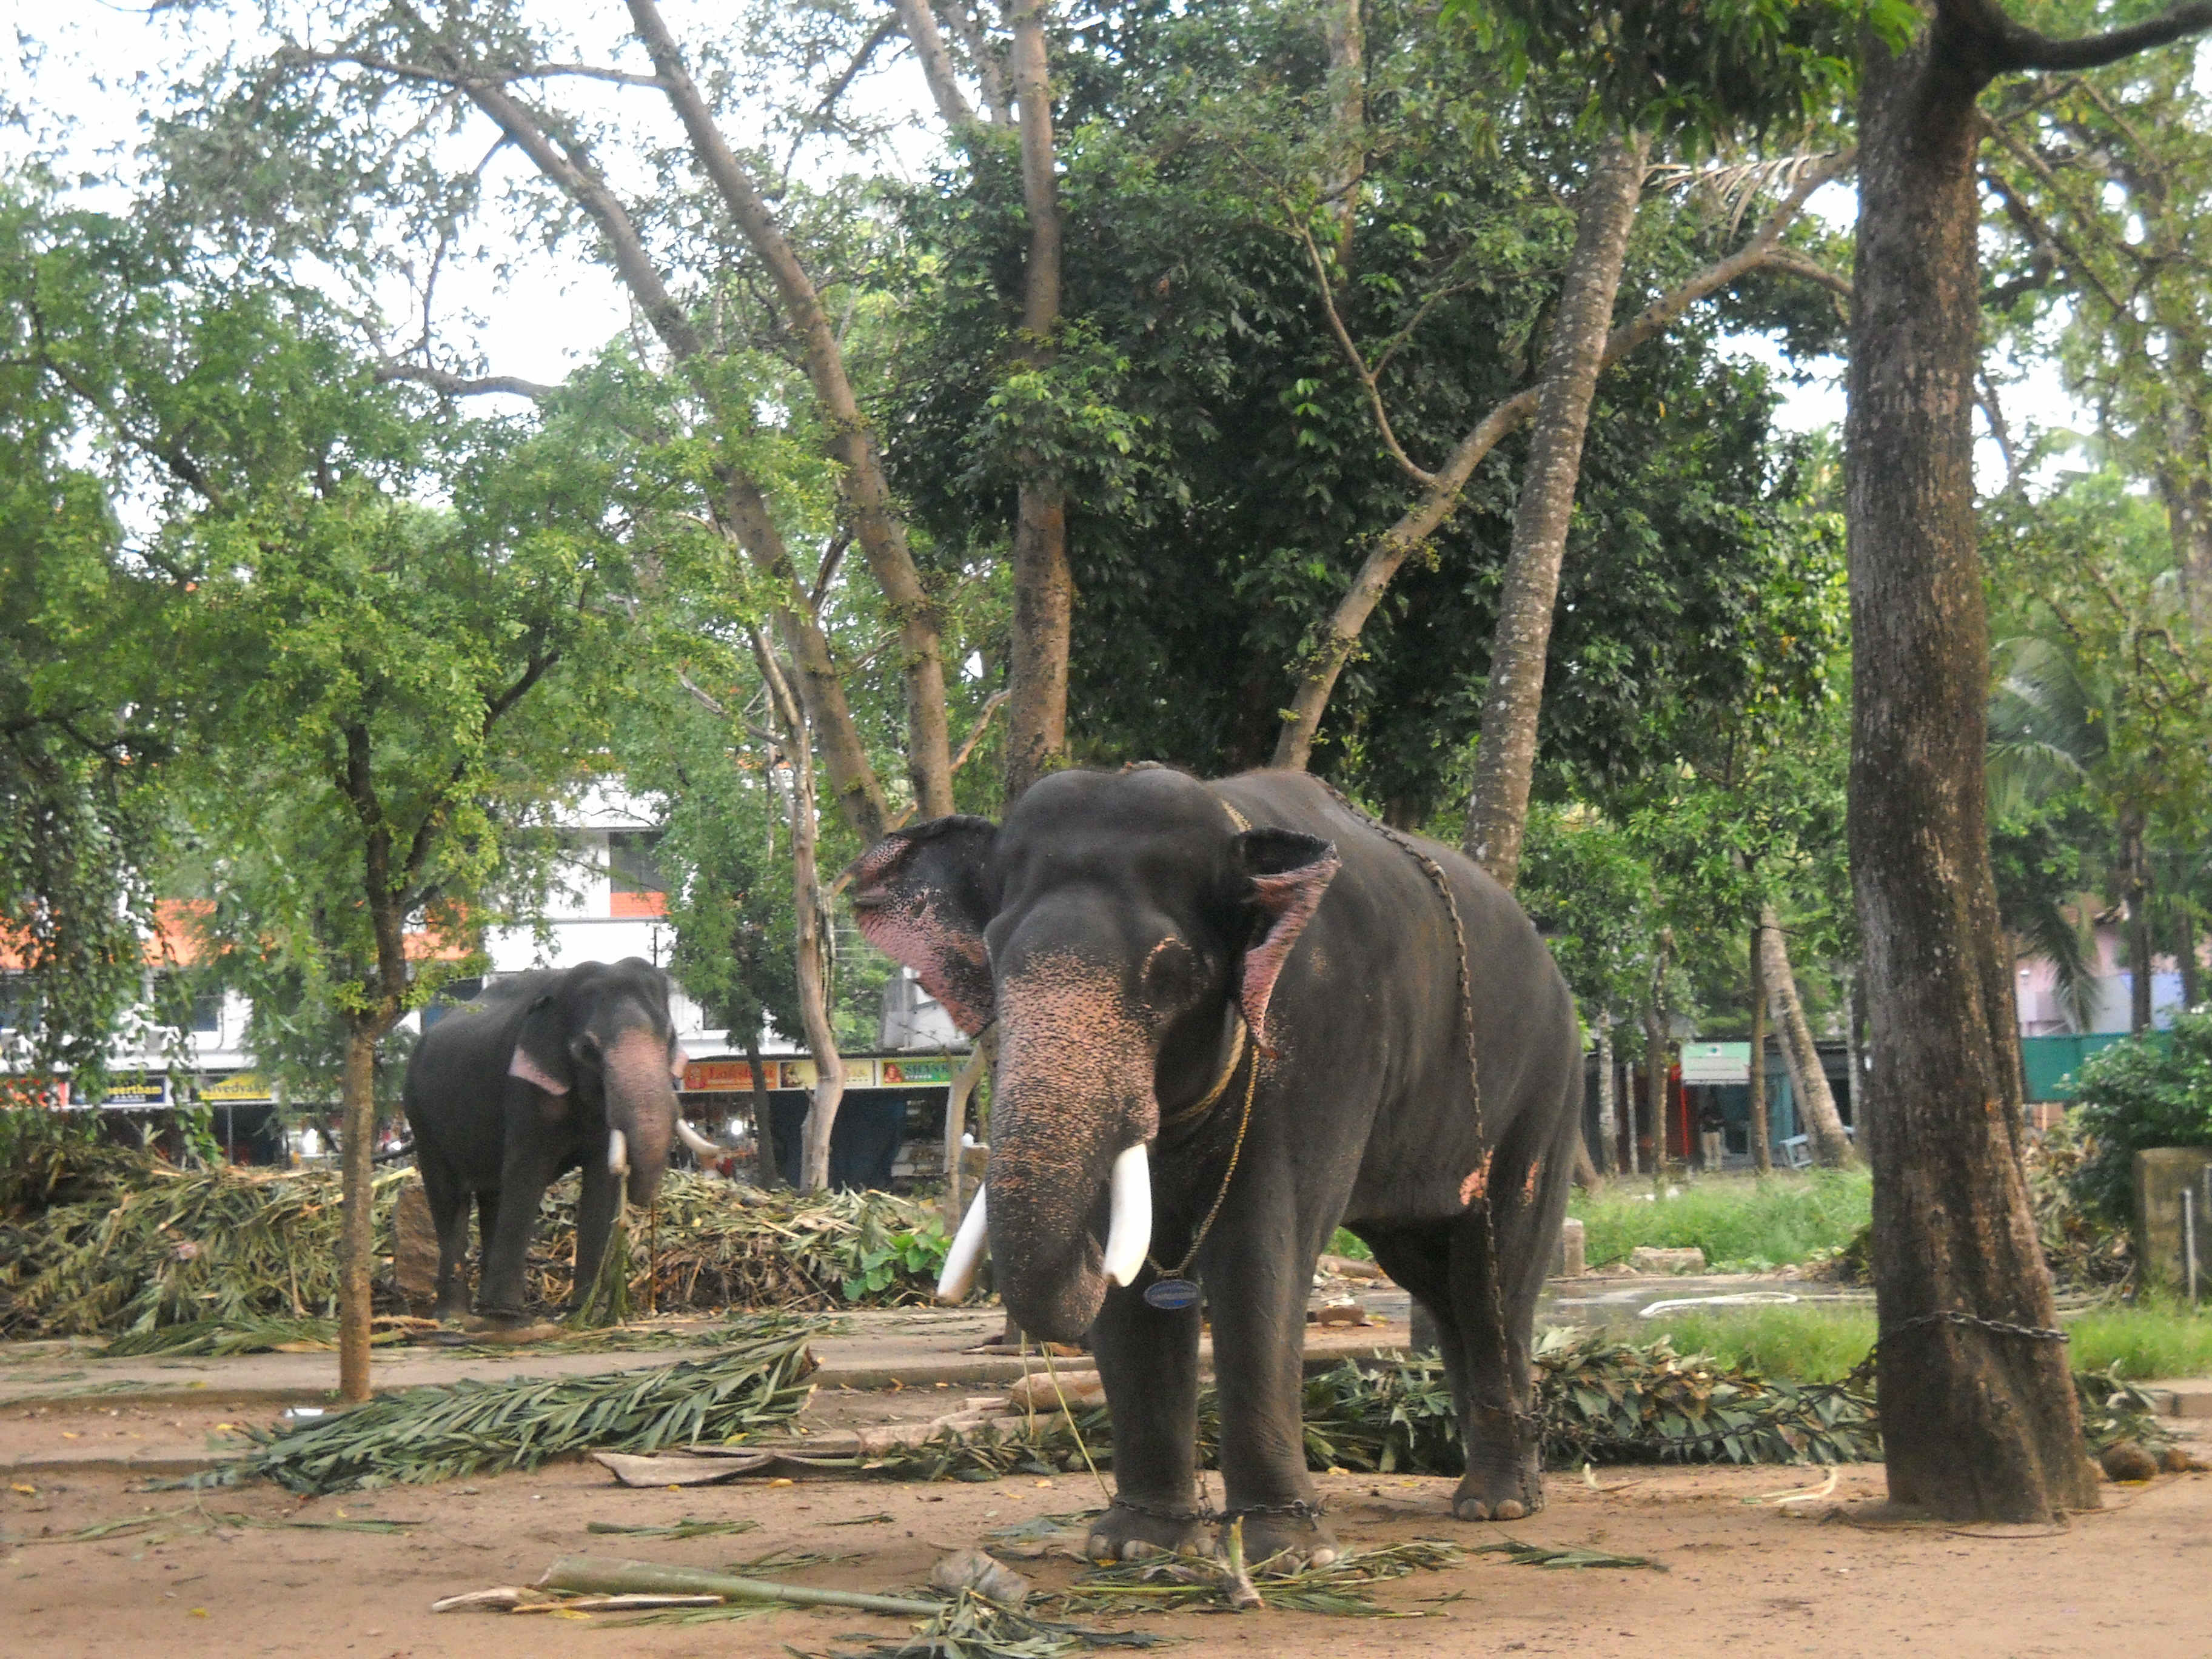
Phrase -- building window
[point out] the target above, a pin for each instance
(19, 1003)
(639, 889)
(206, 1013)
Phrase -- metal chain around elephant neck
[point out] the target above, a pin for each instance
(1435, 871)
(1177, 1291)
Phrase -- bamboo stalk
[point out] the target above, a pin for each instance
(605, 1575)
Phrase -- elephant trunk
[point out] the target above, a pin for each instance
(641, 1109)
(1070, 1209)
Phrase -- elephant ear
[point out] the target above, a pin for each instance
(1289, 873)
(540, 1056)
(921, 896)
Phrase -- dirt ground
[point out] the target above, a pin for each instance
(1829, 1578)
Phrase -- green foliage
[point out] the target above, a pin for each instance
(1770, 1220)
(85, 719)
(49, 1159)
(2140, 1093)
(1704, 71)
(1239, 482)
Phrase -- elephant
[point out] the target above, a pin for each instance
(1233, 1016)
(541, 1073)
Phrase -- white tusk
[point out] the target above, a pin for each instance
(1130, 1235)
(967, 1252)
(697, 1142)
(617, 1152)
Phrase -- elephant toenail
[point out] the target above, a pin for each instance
(1324, 1557)
(1474, 1508)
(1511, 1509)
(1137, 1549)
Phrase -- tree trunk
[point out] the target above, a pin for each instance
(1830, 1144)
(1852, 1066)
(763, 1118)
(357, 1233)
(1497, 812)
(956, 1119)
(1976, 1423)
(2134, 877)
(1044, 591)
(1347, 162)
(1654, 1086)
(2184, 951)
(1608, 1115)
(1761, 1135)
(868, 500)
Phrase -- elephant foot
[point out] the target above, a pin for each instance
(497, 1319)
(1276, 1545)
(1133, 1528)
(1500, 1495)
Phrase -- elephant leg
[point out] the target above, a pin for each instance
(1498, 1261)
(1148, 1360)
(449, 1217)
(1265, 1270)
(509, 1218)
(596, 1205)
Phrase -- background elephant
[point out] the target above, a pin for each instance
(542, 1073)
(1242, 998)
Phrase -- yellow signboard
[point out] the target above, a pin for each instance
(238, 1089)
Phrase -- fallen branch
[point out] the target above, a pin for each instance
(604, 1576)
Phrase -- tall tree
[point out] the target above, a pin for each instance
(1505, 762)
(85, 719)
(1979, 1420)
(1044, 587)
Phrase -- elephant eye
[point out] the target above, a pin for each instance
(1171, 969)
(587, 1048)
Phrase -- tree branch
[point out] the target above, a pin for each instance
(919, 23)
(1357, 361)
(447, 383)
(1439, 498)
(2019, 47)
(982, 723)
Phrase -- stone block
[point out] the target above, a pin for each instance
(1650, 1259)
(2162, 1174)
(2190, 1400)
(415, 1245)
(1567, 1258)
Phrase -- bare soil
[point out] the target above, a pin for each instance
(1833, 1577)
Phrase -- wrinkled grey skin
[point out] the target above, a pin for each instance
(1112, 927)
(600, 1032)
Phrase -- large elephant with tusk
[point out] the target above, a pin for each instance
(543, 1073)
(1231, 1017)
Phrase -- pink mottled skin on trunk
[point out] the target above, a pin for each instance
(1073, 1089)
(641, 1104)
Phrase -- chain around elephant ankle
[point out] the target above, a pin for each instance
(1235, 1152)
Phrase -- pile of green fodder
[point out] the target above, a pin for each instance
(755, 1381)
(49, 1158)
(1599, 1399)
(708, 1244)
(156, 1246)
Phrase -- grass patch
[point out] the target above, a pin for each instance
(1801, 1343)
(1347, 1243)
(1748, 1223)
(2149, 1340)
